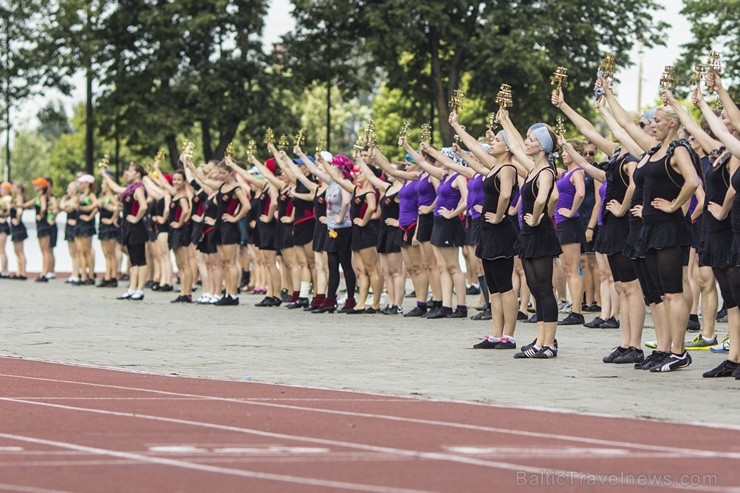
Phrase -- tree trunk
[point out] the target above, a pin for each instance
(227, 136)
(89, 125)
(171, 142)
(205, 137)
(439, 94)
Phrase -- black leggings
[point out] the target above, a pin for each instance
(623, 270)
(350, 279)
(650, 290)
(666, 268)
(733, 279)
(538, 272)
(498, 274)
(724, 277)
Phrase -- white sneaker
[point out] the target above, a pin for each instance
(213, 300)
(565, 307)
(50, 276)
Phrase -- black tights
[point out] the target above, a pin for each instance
(538, 272)
(650, 290)
(666, 268)
(726, 278)
(350, 279)
(498, 274)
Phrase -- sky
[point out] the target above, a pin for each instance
(279, 22)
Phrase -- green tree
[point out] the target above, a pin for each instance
(715, 25)
(426, 48)
(53, 120)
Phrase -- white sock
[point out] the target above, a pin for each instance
(305, 289)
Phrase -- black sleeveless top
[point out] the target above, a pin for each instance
(227, 202)
(617, 181)
(389, 206)
(735, 214)
(530, 189)
(358, 206)
(285, 204)
(661, 181)
(210, 209)
(716, 183)
(303, 208)
(105, 213)
(638, 177)
(319, 203)
(265, 200)
(175, 212)
(491, 193)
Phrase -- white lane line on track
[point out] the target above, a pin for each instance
(445, 457)
(245, 399)
(211, 469)
(532, 434)
(26, 489)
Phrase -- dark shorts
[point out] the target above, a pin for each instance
(54, 235)
(425, 225)
(4, 228)
(407, 234)
(303, 232)
(43, 229)
(365, 237)
(338, 240)
(572, 231)
(18, 233)
(107, 232)
(448, 232)
(472, 231)
(84, 230)
(207, 243)
(227, 234)
(136, 254)
(389, 239)
(179, 238)
(284, 236)
(267, 235)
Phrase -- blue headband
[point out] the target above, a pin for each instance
(447, 151)
(543, 137)
(504, 137)
(409, 158)
(649, 115)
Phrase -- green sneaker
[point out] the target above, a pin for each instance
(700, 343)
(651, 344)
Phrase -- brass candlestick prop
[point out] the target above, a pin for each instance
(300, 138)
(700, 73)
(103, 164)
(269, 136)
(283, 142)
(456, 101)
(251, 147)
(160, 155)
(321, 145)
(714, 64)
(503, 97)
(404, 133)
(426, 133)
(668, 79)
(559, 77)
(187, 149)
(230, 152)
(607, 66)
(559, 126)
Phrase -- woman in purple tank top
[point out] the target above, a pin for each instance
(408, 213)
(426, 187)
(571, 233)
(448, 234)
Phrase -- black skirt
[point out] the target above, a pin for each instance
(338, 240)
(632, 245)
(498, 240)
(4, 228)
(69, 232)
(135, 234)
(389, 239)
(196, 232)
(472, 230)
(716, 249)
(179, 238)
(207, 243)
(84, 229)
(18, 233)
(665, 235)
(695, 229)
(107, 232)
(612, 236)
(425, 225)
(448, 232)
(284, 236)
(406, 237)
(540, 242)
(228, 234)
(303, 232)
(366, 236)
(319, 237)
(43, 229)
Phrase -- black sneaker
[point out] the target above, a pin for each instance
(41, 279)
(227, 300)
(618, 351)
(530, 352)
(472, 290)
(137, 297)
(573, 319)
(183, 299)
(531, 345)
(521, 316)
(634, 355)
(299, 303)
(459, 313)
(610, 323)
(593, 308)
(439, 313)
(531, 320)
(484, 315)
(725, 369)
(126, 296)
(266, 301)
(412, 294)
(416, 312)
(489, 342)
(673, 362)
(595, 323)
(166, 288)
(506, 342)
(546, 352)
(655, 358)
(103, 284)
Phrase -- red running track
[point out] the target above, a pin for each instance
(70, 428)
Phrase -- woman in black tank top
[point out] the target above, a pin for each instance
(671, 177)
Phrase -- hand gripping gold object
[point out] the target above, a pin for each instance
(426, 133)
(700, 73)
(559, 126)
(187, 149)
(160, 155)
(503, 97)
(559, 77)
(230, 151)
(283, 142)
(607, 66)
(269, 136)
(715, 66)
(300, 138)
(103, 164)
(456, 101)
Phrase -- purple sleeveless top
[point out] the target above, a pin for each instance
(447, 196)
(566, 195)
(475, 196)
(602, 194)
(425, 190)
(408, 197)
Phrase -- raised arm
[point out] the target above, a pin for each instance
(592, 170)
(162, 181)
(312, 186)
(337, 177)
(114, 186)
(583, 125)
(282, 160)
(516, 142)
(470, 142)
(199, 177)
(267, 174)
(620, 134)
(450, 164)
(382, 161)
(718, 127)
(365, 169)
(705, 140)
(421, 162)
(641, 138)
(733, 112)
